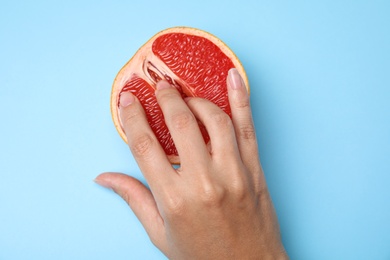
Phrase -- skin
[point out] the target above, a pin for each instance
(216, 205)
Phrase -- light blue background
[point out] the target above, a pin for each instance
(319, 74)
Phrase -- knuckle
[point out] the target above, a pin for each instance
(247, 131)
(212, 197)
(239, 182)
(182, 120)
(221, 119)
(263, 195)
(167, 96)
(130, 115)
(238, 189)
(242, 103)
(174, 206)
(142, 145)
(124, 195)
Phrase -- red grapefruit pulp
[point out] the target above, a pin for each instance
(195, 62)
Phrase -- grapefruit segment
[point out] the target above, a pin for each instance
(145, 94)
(199, 63)
(195, 62)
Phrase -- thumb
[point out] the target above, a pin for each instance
(140, 200)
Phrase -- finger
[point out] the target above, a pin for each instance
(242, 118)
(143, 143)
(182, 125)
(140, 200)
(219, 127)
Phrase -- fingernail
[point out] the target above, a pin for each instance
(126, 99)
(162, 84)
(234, 79)
(102, 183)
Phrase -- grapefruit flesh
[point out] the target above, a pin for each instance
(196, 63)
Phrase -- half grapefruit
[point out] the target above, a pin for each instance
(195, 62)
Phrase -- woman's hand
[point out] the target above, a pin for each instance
(216, 205)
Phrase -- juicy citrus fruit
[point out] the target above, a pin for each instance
(192, 60)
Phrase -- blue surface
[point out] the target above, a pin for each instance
(319, 73)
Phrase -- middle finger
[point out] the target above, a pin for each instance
(219, 127)
(182, 125)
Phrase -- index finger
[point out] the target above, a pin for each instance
(143, 143)
(183, 126)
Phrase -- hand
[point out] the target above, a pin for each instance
(216, 205)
